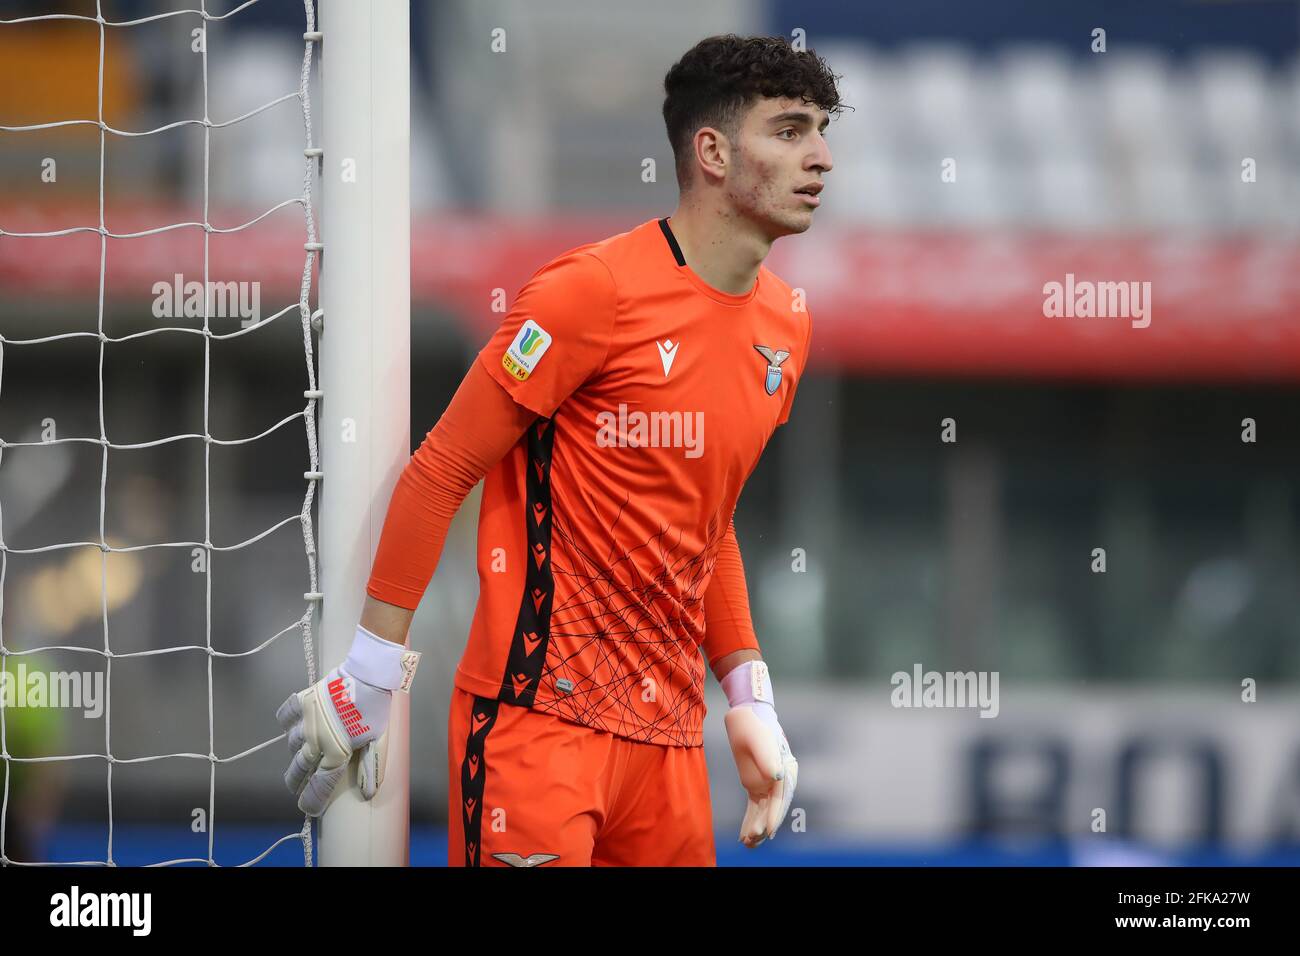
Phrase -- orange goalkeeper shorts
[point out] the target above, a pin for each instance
(531, 789)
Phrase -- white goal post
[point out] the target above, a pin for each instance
(365, 297)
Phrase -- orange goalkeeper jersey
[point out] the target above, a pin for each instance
(655, 395)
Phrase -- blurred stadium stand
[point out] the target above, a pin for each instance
(1119, 691)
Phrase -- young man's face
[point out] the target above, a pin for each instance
(781, 151)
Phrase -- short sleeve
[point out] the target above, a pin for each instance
(802, 359)
(556, 335)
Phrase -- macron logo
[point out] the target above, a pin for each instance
(667, 352)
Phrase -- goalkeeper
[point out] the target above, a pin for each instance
(614, 417)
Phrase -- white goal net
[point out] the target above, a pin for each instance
(41, 681)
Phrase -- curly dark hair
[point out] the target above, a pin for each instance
(716, 82)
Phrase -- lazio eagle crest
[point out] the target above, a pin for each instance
(772, 381)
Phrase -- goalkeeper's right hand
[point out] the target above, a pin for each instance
(344, 712)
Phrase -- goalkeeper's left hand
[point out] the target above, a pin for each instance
(768, 770)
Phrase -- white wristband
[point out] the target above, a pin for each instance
(748, 684)
(381, 663)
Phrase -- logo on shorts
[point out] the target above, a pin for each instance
(536, 859)
(526, 350)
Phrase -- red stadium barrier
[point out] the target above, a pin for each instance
(943, 303)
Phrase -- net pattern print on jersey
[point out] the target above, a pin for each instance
(612, 620)
(308, 415)
(603, 620)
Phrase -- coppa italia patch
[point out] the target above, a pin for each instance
(526, 350)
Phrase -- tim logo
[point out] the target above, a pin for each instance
(526, 350)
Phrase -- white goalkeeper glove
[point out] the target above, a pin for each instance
(768, 770)
(342, 713)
